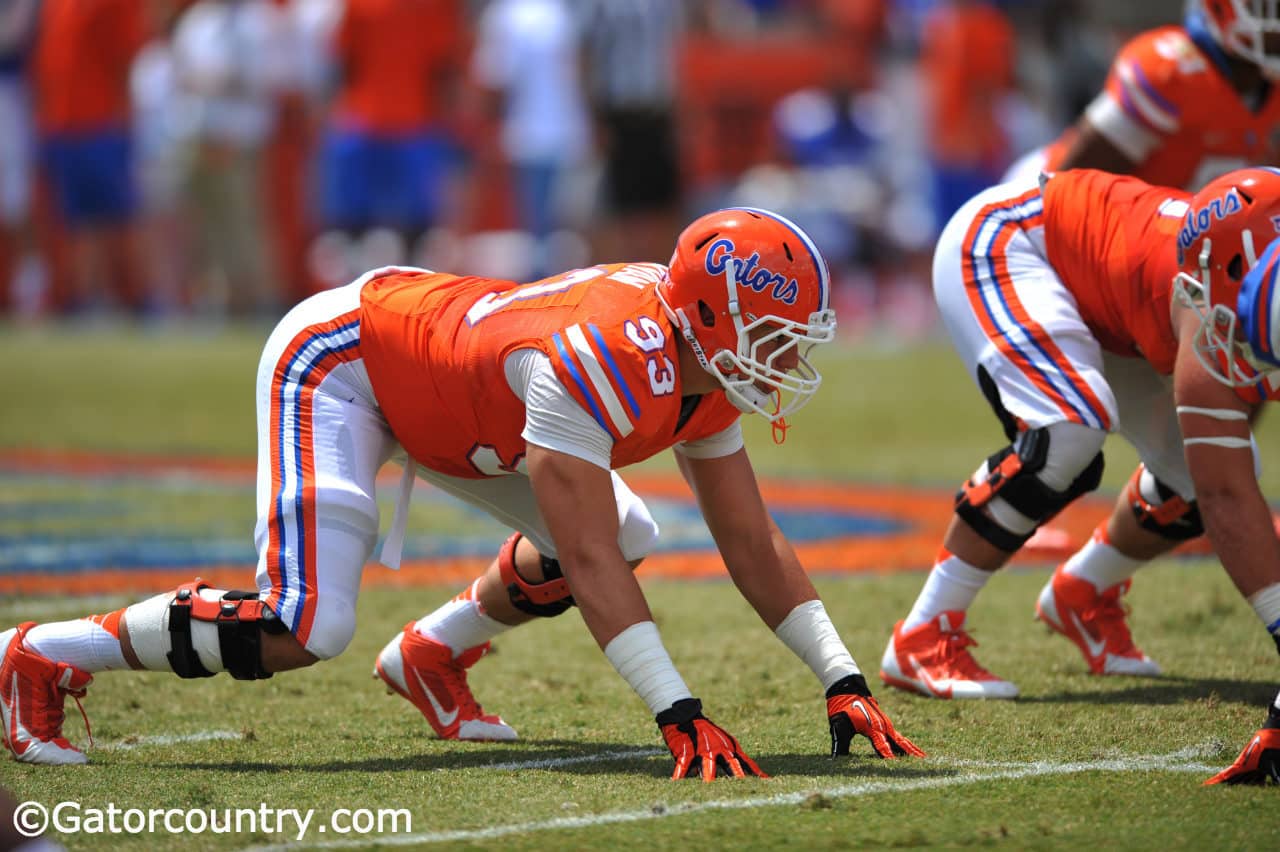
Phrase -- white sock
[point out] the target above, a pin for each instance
(1100, 563)
(461, 623)
(952, 586)
(84, 643)
(1266, 603)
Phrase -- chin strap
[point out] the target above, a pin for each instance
(780, 425)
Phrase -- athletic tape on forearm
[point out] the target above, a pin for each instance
(811, 636)
(639, 656)
(1266, 603)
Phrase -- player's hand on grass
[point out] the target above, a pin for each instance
(1259, 761)
(851, 710)
(700, 747)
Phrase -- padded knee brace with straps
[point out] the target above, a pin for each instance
(241, 620)
(1160, 509)
(546, 599)
(1012, 474)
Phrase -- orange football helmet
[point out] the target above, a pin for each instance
(750, 293)
(1242, 28)
(1227, 264)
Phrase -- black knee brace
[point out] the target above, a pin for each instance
(241, 619)
(1172, 518)
(1011, 473)
(546, 599)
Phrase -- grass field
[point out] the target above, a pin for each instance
(1077, 761)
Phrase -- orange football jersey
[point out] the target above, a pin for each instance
(1112, 239)
(1169, 106)
(434, 345)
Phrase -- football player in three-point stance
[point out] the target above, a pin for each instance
(520, 399)
(1084, 303)
(1182, 104)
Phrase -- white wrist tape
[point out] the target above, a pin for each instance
(1266, 603)
(809, 633)
(1215, 413)
(1225, 441)
(638, 655)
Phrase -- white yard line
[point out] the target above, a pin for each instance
(1175, 762)
(170, 739)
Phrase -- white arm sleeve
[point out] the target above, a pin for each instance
(1130, 138)
(723, 443)
(553, 418)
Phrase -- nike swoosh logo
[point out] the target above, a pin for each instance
(19, 736)
(1096, 648)
(446, 719)
(865, 714)
(1253, 746)
(929, 681)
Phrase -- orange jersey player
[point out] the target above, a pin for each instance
(521, 400)
(1182, 104)
(1081, 304)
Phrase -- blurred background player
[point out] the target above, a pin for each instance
(1182, 104)
(222, 52)
(630, 54)
(389, 147)
(21, 275)
(84, 53)
(1088, 304)
(526, 64)
(967, 60)
(519, 399)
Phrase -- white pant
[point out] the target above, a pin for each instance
(1008, 312)
(321, 441)
(1026, 168)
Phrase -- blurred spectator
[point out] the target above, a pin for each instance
(220, 51)
(300, 71)
(526, 57)
(84, 50)
(967, 61)
(388, 150)
(161, 126)
(21, 275)
(631, 48)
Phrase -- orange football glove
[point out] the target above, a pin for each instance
(700, 746)
(1259, 761)
(851, 710)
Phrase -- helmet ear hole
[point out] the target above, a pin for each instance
(707, 315)
(1235, 268)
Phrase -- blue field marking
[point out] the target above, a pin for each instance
(110, 525)
(141, 549)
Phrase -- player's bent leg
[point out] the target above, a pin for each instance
(1082, 600)
(198, 631)
(997, 510)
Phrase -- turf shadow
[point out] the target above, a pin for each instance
(501, 758)
(1165, 690)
